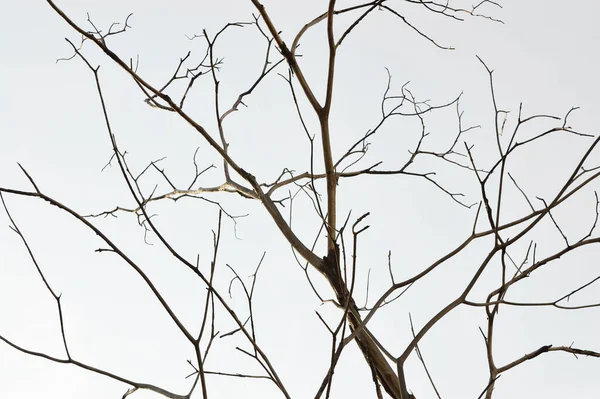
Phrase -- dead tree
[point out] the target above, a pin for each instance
(511, 247)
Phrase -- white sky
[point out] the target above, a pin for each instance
(545, 55)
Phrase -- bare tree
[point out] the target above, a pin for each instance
(509, 221)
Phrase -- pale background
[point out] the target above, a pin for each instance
(546, 55)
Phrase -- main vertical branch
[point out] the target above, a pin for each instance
(331, 265)
(325, 136)
(321, 111)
